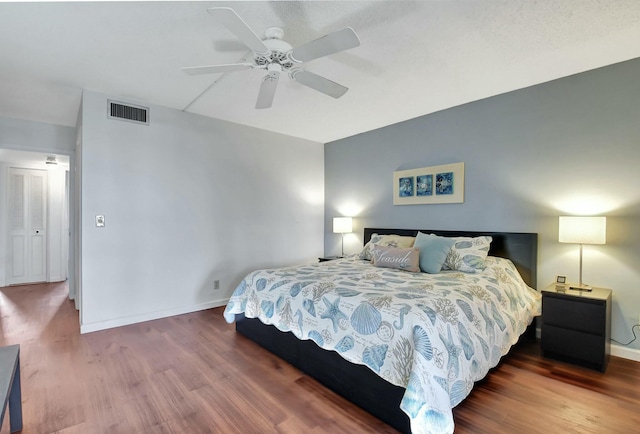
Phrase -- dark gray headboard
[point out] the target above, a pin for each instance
(520, 248)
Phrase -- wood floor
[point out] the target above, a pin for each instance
(193, 374)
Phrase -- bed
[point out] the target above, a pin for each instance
(405, 346)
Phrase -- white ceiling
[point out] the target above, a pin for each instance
(416, 57)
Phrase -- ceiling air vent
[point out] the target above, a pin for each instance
(128, 112)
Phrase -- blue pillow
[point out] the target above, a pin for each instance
(433, 251)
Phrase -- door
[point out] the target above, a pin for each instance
(27, 240)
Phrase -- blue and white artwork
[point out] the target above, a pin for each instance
(424, 185)
(406, 187)
(429, 185)
(444, 183)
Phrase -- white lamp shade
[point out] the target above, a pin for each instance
(342, 225)
(582, 230)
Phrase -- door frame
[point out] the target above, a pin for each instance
(73, 268)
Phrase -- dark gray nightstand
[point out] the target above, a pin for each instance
(576, 325)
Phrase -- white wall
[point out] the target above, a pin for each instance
(75, 218)
(188, 200)
(570, 146)
(58, 231)
(4, 167)
(36, 136)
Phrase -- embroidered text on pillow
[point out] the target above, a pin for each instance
(385, 257)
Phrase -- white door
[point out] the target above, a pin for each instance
(27, 212)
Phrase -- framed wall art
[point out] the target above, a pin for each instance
(428, 185)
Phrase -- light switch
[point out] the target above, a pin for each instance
(100, 221)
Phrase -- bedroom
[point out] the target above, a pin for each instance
(528, 154)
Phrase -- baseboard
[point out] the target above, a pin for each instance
(54, 279)
(103, 325)
(625, 353)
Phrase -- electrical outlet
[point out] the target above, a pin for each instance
(216, 284)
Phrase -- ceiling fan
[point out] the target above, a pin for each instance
(275, 56)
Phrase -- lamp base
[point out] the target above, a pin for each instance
(582, 287)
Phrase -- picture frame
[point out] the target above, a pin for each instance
(429, 185)
(561, 280)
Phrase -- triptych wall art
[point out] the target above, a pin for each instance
(435, 184)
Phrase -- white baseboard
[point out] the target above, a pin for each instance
(53, 279)
(625, 353)
(118, 322)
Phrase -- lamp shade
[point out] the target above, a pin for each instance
(342, 225)
(582, 230)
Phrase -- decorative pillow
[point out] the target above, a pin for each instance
(391, 257)
(433, 251)
(385, 240)
(468, 254)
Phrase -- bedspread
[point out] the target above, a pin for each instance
(433, 334)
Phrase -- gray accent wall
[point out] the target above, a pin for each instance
(570, 146)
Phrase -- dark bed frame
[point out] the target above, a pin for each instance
(357, 383)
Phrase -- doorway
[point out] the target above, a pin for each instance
(34, 218)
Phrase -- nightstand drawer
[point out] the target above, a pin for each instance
(574, 344)
(574, 313)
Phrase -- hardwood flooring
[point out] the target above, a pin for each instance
(193, 374)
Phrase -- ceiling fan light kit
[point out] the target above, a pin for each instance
(274, 55)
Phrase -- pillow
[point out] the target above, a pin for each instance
(391, 257)
(433, 251)
(468, 254)
(385, 240)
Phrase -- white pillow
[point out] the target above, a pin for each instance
(468, 254)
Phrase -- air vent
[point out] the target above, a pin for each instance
(128, 112)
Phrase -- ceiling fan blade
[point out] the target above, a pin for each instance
(236, 25)
(215, 69)
(268, 90)
(326, 45)
(318, 83)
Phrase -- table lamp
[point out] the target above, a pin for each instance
(342, 225)
(582, 230)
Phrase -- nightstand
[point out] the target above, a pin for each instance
(576, 325)
(329, 258)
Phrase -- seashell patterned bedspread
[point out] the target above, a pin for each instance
(433, 334)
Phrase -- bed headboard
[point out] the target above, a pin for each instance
(520, 248)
